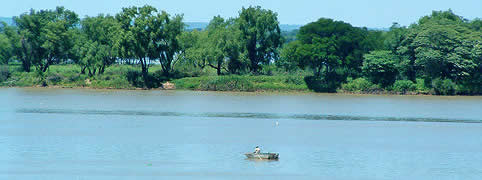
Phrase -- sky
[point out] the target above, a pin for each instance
(361, 13)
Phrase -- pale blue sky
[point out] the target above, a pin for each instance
(369, 13)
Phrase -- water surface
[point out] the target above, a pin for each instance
(109, 134)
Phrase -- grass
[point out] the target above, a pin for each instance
(69, 76)
(242, 83)
(116, 77)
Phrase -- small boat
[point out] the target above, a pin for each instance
(262, 155)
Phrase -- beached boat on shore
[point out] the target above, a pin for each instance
(262, 155)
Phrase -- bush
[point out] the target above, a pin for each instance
(421, 87)
(359, 85)
(319, 84)
(54, 78)
(135, 78)
(76, 77)
(404, 86)
(227, 83)
(4, 73)
(298, 80)
(443, 87)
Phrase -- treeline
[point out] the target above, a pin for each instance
(440, 54)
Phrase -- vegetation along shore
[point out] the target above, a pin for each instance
(142, 47)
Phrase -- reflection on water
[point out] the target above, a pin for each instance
(244, 115)
(58, 134)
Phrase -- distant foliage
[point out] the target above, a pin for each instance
(444, 87)
(227, 83)
(404, 86)
(381, 67)
(4, 73)
(359, 85)
(142, 47)
(54, 78)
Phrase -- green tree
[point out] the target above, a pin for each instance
(192, 49)
(165, 44)
(261, 35)
(102, 33)
(45, 36)
(217, 47)
(347, 44)
(381, 67)
(6, 48)
(149, 35)
(440, 46)
(137, 39)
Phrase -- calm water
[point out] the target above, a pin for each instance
(58, 134)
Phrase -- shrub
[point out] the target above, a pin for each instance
(421, 87)
(4, 73)
(135, 78)
(77, 77)
(359, 85)
(403, 86)
(54, 78)
(319, 84)
(227, 83)
(443, 87)
(298, 80)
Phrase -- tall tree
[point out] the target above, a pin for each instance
(261, 34)
(381, 67)
(350, 42)
(149, 36)
(165, 41)
(137, 39)
(6, 47)
(102, 32)
(46, 36)
(441, 46)
(217, 47)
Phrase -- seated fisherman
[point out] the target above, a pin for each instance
(257, 150)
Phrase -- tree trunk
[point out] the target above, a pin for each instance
(82, 70)
(26, 61)
(411, 69)
(145, 71)
(219, 67)
(46, 66)
(26, 64)
(252, 55)
(101, 69)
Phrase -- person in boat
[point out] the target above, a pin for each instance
(257, 150)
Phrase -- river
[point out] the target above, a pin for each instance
(58, 134)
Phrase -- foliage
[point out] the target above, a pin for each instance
(243, 83)
(4, 73)
(149, 35)
(54, 78)
(381, 67)
(141, 47)
(404, 86)
(261, 35)
(218, 47)
(443, 87)
(359, 85)
(96, 44)
(442, 46)
(6, 51)
(45, 36)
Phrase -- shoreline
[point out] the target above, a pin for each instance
(258, 91)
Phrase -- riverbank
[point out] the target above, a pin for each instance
(126, 77)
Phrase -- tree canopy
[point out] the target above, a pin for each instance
(440, 50)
